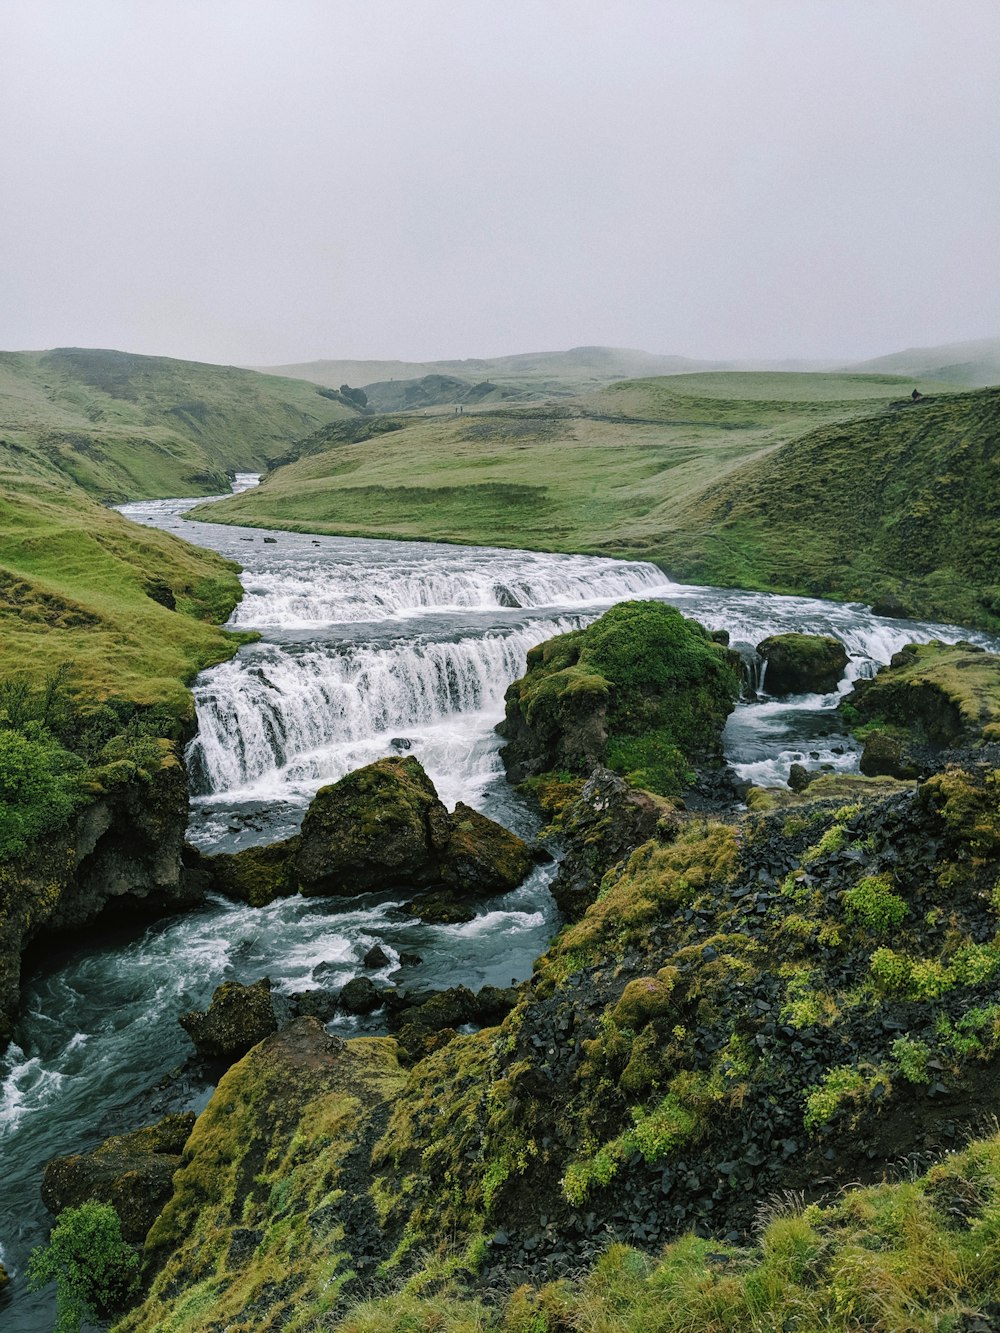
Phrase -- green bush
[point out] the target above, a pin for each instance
(95, 1271)
(39, 786)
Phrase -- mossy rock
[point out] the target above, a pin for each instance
(264, 1222)
(237, 1019)
(132, 1172)
(802, 663)
(380, 825)
(256, 875)
(482, 857)
(932, 695)
(642, 690)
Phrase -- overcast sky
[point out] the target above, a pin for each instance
(266, 181)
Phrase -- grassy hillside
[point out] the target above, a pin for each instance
(80, 585)
(131, 427)
(975, 363)
(906, 503)
(613, 472)
(576, 370)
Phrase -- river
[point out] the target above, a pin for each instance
(367, 648)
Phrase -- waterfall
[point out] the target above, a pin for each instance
(304, 594)
(281, 716)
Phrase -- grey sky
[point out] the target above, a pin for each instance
(263, 181)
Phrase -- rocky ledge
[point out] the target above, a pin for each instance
(120, 854)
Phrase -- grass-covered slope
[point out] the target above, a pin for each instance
(134, 612)
(123, 426)
(906, 502)
(614, 473)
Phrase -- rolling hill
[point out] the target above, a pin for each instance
(131, 427)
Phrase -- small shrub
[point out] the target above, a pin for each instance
(911, 1057)
(95, 1271)
(872, 904)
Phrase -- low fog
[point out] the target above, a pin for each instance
(260, 182)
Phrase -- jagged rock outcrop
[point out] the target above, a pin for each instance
(643, 690)
(120, 853)
(237, 1019)
(382, 825)
(802, 663)
(133, 1172)
(292, 1123)
(602, 826)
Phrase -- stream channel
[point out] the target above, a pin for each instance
(368, 648)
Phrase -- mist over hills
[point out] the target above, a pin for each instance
(975, 363)
(394, 386)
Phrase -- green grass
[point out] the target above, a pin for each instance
(75, 582)
(132, 427)
(610, 473)
(829, 485)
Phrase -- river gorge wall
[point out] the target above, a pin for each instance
(120, 855)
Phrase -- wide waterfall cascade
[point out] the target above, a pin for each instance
(367, 648)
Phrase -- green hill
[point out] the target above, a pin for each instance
(132, 610)
(975, 363)
(132, 427)
(906, 503)
(793, 482)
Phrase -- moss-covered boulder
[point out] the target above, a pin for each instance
(481, 857)
(802, 663)
(382, 824)
(256, 875)
(643, 690)
(270, 1214)
(133, 1172)
(237, 1019)
(932, 697)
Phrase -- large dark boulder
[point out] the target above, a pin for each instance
(482, 857)
(642, 690)
(802, 663)
(380, 825)
(133, 1172)
(238, 1018)
(256, 875)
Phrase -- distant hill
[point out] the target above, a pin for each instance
(123, 426)
(572, 371)
(976, 364)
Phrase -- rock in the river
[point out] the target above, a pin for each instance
(482, 857)
(133, 1172)
(360, 996)
(238, 1018)
(382, 824)
(802, 663)
(642, 690)
(799, 777)
(256, 875)
(376, 958)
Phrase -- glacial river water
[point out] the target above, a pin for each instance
(368, 648)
